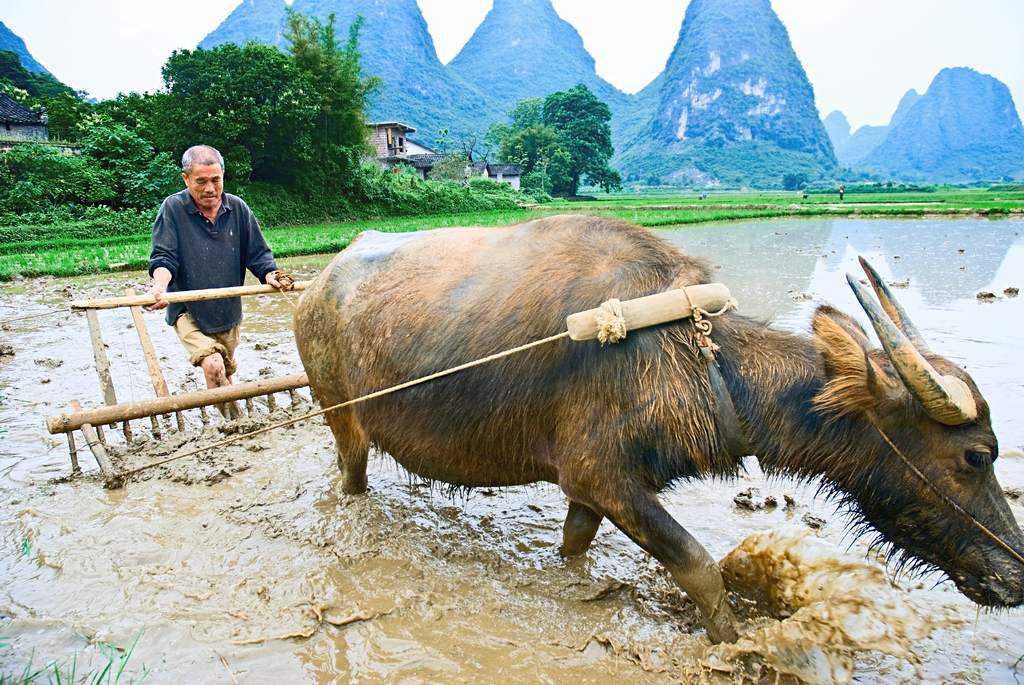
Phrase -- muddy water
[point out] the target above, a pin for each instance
(250, 565)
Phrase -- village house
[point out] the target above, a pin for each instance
(392, 146)
(502, 173)
(19, 123)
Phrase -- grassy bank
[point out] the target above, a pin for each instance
(70, 254)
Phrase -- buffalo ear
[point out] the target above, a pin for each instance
(855, 383)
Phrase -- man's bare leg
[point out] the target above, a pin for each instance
(216, 377)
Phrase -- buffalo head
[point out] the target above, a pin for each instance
(921, 475)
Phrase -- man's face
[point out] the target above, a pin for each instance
(205, 184)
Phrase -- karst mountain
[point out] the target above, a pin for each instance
(734, 104)
(964, 128)
(524, 49)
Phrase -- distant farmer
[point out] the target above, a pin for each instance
(842, 191)
(206, 238)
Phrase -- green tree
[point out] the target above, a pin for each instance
(443, 141)
(65, 112)
(248, 102)
(558, 141)
(794, 181)
(153, 116)
(333, 86)
(140, 177)
(530, 146)
(581, 121)
(526, 113)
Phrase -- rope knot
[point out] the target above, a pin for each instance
(611, 327)
(286, 280)
(702, 326)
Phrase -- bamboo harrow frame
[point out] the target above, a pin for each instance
(90, 422)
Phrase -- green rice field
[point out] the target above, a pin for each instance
(66, 256)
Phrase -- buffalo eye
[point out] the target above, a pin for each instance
(979, 458)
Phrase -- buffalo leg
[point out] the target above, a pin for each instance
(645, 521)
(581, 524)
(353, 449)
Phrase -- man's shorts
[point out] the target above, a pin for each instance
(200, 345)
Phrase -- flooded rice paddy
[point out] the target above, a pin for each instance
(250, 565)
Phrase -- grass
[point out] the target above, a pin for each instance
(70, 256)
(111, 670)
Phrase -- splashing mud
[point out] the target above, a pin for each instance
(819, 609)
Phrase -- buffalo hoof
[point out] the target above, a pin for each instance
(721, 625)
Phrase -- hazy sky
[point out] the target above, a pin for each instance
(861, 55)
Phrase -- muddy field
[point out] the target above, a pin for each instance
(249, 565)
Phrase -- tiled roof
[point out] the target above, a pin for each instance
(505, 169)
(417, 161)
(13, 113)
(399, 124)
(426, 160)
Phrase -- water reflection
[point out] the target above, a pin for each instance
(783, 269)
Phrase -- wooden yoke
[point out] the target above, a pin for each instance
(652, 310)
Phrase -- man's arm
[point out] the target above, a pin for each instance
(163, 259)
(161, 279)
(258, 258)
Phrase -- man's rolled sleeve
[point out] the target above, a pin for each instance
(165, 244)
(258, 258)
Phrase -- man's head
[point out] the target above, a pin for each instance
(202, 168)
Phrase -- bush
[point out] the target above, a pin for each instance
(451, 168)
(140, 177)
(75, 223)
(395, 192)
(38, 176)
(400, 192)
(276, 205)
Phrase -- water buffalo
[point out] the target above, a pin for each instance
(615, 425)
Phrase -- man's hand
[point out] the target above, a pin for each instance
(280, 280)
(161, 278)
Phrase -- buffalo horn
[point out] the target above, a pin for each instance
(946, 399)
(893, 308)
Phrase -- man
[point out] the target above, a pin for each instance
(206, 238)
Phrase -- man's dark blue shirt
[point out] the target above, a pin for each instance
(200, 254)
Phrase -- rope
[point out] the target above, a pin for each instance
(372, 395)
(702, 327)
(611, 326)
(948, 500)
(33, 316)
(287, 282)
(729, 305)
(611, 329)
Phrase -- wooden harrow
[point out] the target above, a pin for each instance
(114, 414)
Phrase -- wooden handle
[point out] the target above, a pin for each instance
(165, 405)
(651, 310)
(182, 296)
